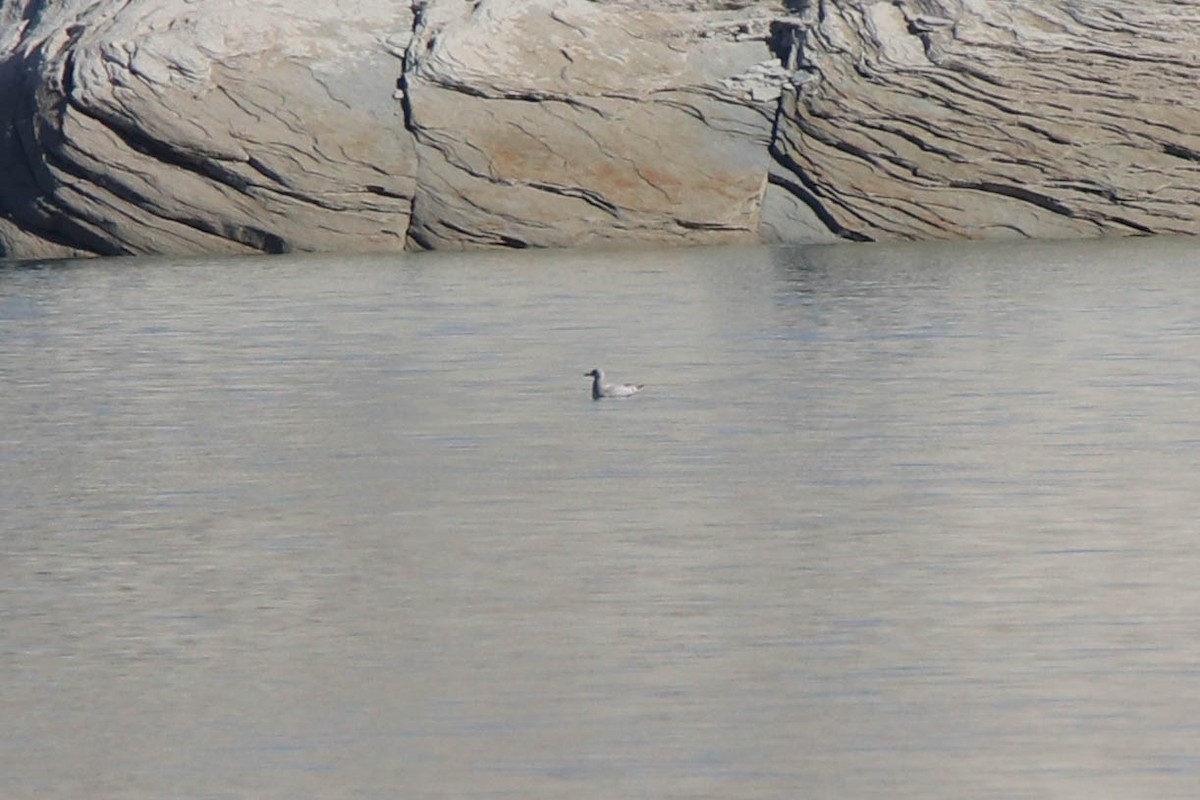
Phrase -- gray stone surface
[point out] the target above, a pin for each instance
(219, 127)
(178, 126)
(575, 122)
(923, 119)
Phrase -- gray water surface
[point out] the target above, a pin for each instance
(886, 522)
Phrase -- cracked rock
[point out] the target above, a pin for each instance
(174, 126)
(159, 126)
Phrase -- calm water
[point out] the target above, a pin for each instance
(886, 522)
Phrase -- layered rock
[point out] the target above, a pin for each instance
(223, 127)
(575, 122)
(170, 126)
(995, 118)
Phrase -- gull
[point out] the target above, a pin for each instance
(602, 389)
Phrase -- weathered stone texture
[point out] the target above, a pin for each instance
(995, 118)
(576, 122)
(224, 126)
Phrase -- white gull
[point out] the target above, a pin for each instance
(602, 389)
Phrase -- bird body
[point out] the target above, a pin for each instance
(601, 389)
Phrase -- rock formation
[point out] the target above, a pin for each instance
(174, 126)
(165, 126)
(587, 122)
(995, 118)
